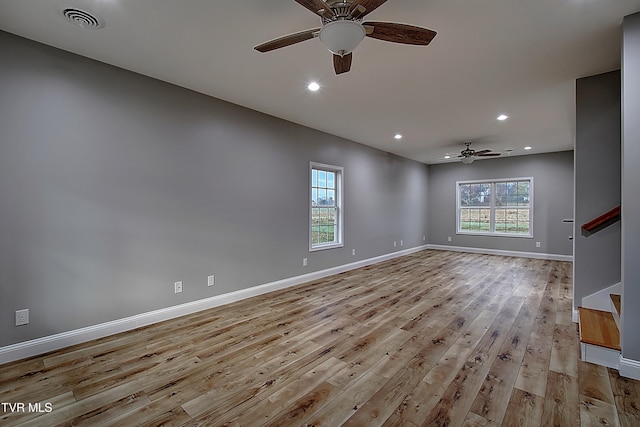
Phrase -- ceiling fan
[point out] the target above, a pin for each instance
(342, 30)
(468, 155)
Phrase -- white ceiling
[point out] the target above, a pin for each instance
(490, 57)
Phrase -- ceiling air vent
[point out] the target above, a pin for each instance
(83, 18)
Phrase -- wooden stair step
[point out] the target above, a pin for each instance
(617, 303)
(599, 328)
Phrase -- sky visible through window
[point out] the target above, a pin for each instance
(323, 188)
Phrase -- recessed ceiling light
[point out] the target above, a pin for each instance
(502, 117)
(528, 148)
(397, 136)
(313, 86)
(447, 156)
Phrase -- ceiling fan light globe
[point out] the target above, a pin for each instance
(342, 37)
(467, 160)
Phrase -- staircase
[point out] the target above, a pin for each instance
(600, 328)
(600, 334)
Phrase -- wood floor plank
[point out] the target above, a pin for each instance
(304, 406)
(174, 418)
(561, 405)
(429, 338)
(494, 395)
(626, 394)
(396, 420)
(396, 390)
(43, 383)
(454, 405)
(338, 410)
(363, 361)
(433, 341)
(565, 350)
(436, 382)
(593, 382)
(475, 420)
(524, 410)
(596, 412)
(534, 369)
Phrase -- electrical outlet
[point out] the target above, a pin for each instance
(304, 262)
(401, 243)
(394, 244)
(537, 244)
(449, 238)
(211, 280)
(353, 251)
(424, 238)
(22, 317)
(177, 287)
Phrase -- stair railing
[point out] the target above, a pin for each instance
(601, 221)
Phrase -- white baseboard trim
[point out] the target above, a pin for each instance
(535, 255)
(600, 355)
(575, 316)
(49, 343)
(601, 300)
(629, 368)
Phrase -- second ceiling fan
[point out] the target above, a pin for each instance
(342, 30)
(468, 155)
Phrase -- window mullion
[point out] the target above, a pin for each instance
(492, 208)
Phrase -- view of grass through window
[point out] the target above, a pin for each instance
(502, 207)
(323, 207)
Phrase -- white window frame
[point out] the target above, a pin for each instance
(492, 207)
(339, 183)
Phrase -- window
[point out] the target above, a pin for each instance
(497, 207)
(326, 207)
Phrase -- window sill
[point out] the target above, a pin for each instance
(325, 246)
(478, 233)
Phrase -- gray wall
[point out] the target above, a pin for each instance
(114, 185)
(597, 189)
(553, 201)
(631, 187)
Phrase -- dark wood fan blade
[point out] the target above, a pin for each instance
(317, 6)
(369, 6)
(400, 33)
(342, 64)
(287, 40)
(488, 154)
(482, 152)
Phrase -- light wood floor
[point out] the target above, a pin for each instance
(435, 338)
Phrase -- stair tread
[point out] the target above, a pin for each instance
(598, 328)
(617, 302)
